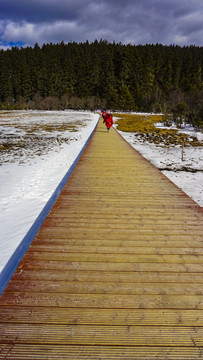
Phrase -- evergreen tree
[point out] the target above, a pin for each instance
(6, 88)
(126, 100)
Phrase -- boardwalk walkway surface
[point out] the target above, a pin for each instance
(115, 271)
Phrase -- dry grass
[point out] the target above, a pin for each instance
(144, 125)
(24, 141)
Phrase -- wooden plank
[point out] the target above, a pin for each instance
(87, 316)
(120, 233)
(121, 221)
(182, 244)
(102, 300)
(64, 209)
(57, 248)
(85, 235)
(107, 266)
(44, 352)
(100, 287)
(105, 335)
(148, 216)
(108, 276)
(120, 258)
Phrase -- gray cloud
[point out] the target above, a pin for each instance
(126, 21)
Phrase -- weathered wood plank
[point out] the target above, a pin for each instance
(44, 352)
(181, 245)
(116, 250)
(107, 276)
(86, 316)
(120, 233)
(121, 222)
(100, 287)
(106, 335)
(108, 266)
(120, 258)
(102, 300)
(85, 235)
(136, 214)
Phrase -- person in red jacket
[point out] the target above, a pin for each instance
(108, 120)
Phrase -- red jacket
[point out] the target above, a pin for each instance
(108, 120)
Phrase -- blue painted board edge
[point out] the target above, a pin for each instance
(20, 251)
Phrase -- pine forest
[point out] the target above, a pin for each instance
(149, 78)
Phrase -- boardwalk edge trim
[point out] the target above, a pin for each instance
(22, 248)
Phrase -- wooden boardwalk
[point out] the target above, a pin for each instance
(115, 271)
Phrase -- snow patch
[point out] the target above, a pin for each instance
(26, 186)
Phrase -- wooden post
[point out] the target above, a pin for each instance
(183, 144)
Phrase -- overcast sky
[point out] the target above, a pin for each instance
(26, 22)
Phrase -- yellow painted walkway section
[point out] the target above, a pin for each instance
(115, 271)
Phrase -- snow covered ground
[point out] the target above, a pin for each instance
(37, 149)
(187, 174)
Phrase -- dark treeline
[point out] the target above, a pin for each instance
(102, 74)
